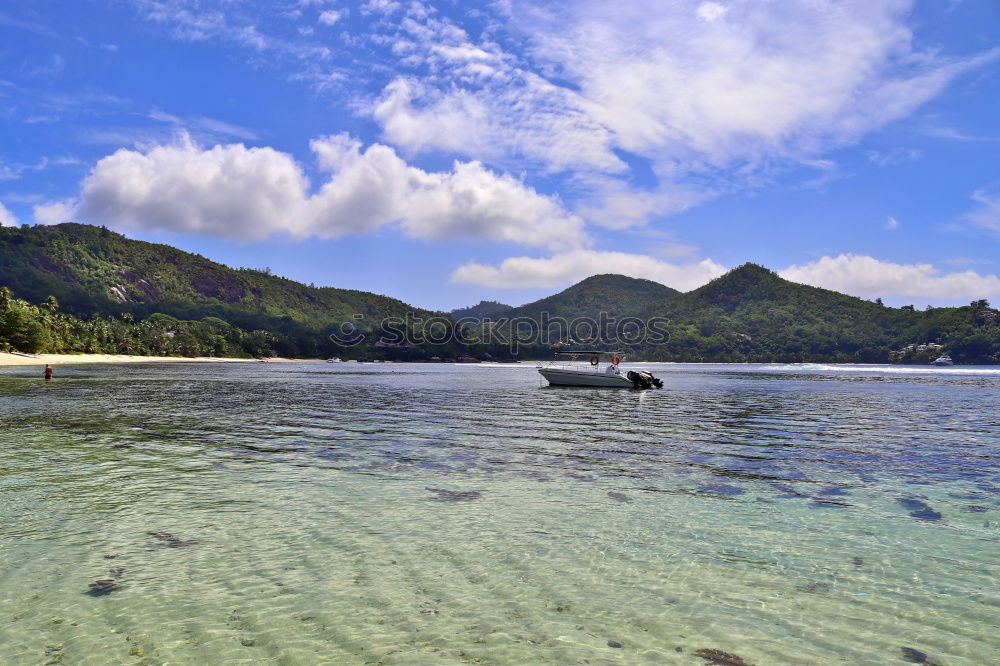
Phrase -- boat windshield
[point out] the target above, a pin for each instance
(597, 359)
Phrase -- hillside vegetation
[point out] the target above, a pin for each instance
(77, 288)
(32, 328)
(616, 295)
(92, 271)
(751, 314)
(482, 310)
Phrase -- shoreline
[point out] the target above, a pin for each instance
(18, 360)
(40, 360)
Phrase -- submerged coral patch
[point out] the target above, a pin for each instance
(101, 587)
(443, 495)
(913, 656)
(170, 541)
(918, 509)
(720, 658)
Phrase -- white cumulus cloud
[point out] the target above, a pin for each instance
(565, 268)
(868, 277)
(329, 17)
(376, 187)
(54, 212)
(710, 11)
(7, 218)
(227, 191)
(249, 194)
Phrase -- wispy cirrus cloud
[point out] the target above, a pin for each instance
(239, 24)
(157, 127)
(986, 213)
(39, 105)
(31, 26)
(894, 156)
(701, 89)
(739, 89)
(421, 118)
(14, 171)
(952, 134)
(203, 129)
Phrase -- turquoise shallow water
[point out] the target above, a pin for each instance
(435, 514)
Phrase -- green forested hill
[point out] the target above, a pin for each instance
(480, 311)
(617, 295)
(74, 287)
(93, 271)
(752, 314)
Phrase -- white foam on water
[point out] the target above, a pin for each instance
(884, 369)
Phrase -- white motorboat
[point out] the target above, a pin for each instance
(334, 360)
(943, 360)
(600, 374)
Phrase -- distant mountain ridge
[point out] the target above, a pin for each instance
(751, 313)
(617, 295)
(748, 314)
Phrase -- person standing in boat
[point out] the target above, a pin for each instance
(612, 369)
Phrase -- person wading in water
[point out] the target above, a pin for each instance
(48, 372)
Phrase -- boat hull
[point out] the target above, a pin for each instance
(560, 377)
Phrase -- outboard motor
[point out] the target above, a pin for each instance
(643, 380)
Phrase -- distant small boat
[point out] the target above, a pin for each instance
(943, 360)
(334, 360)
(609, 377)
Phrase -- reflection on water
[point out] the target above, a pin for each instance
(303, 513)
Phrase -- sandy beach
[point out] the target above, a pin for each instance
(79, 359)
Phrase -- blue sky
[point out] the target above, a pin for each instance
(445, 152)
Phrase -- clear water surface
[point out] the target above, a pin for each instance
(435, 514)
